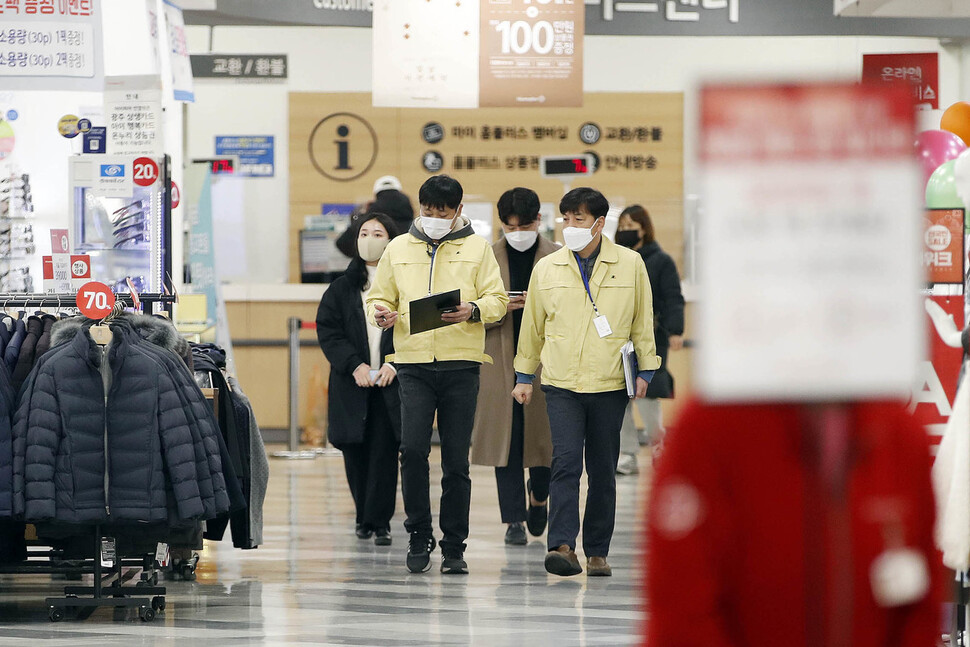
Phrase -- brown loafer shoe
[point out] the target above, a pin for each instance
(563, 561)
(597, 567)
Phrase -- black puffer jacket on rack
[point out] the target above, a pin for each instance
(216, 477)
(245, 444)
(11, 353)
(78, 459)
(44, 343)
(6, 331)
(13, 547)
(28, 351)
(7, 397)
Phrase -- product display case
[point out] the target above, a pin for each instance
(120, 210)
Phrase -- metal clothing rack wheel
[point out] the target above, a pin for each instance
(115, 595)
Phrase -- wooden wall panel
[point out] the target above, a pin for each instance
(634, 127)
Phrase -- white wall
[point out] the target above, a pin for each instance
(336, 59)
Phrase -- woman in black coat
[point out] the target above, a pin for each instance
(635, 230)
(364, 413)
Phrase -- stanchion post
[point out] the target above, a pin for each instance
(293, 326)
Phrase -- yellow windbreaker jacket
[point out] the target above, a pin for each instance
(557, 323)
(412, 267)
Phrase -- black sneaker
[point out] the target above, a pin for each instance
(452, 563)
(515, 535)
(419, 552)
(382, 537)
(364, 532)
(538, 514)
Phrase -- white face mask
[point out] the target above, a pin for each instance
(577, 238)
(371, 248)
(436, 228)
(521, 240)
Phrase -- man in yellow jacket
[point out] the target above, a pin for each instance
(438, 370)
(584, 303)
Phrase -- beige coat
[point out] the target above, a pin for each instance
(493, 417)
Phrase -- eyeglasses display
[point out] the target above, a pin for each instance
(125, 231)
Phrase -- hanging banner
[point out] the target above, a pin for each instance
(531, 53)
(178, 53)
(51, 45)
(425, 54)
(936, 386)
(133, 111)
(943, 246)
(919, 71)
(201, 252)
(809, 275)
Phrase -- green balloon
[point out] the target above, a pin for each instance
(941, 190)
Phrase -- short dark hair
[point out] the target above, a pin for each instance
(594, 201)
(439, 192)
(519, 202)
(641, 216)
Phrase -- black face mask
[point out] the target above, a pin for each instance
(627, 238)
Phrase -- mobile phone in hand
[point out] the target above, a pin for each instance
(515, 293)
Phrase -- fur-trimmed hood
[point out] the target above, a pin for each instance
(157, 330)
(64, 330)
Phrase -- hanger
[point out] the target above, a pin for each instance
(100, 332)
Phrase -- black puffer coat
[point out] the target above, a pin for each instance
(11, 353)
(28, 351)
(78, 459)
(668, 312)
(7, 397)
(342, 334)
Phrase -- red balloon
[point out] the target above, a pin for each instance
(934, 147)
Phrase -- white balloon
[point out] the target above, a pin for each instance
(961, 175)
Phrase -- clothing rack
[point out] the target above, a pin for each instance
(107, 590)
(67, 299)
(115, 594)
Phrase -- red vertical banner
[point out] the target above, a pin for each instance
(918, 71)
(936, 388)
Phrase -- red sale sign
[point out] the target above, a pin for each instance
(919, 71)
(95, 300)
(145, 171)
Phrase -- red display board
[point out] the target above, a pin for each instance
(920, 71)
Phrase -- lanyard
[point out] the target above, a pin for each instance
(582, 273)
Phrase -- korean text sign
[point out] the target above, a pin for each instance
(256, 153)
(943, 246)
(920, 72)
(51, 45)
(531, 53)
(810, 274)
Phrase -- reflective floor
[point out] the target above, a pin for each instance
(314, 582)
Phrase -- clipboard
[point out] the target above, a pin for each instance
(628, 355)
(426, 312)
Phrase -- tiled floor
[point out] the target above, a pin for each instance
(315, 583)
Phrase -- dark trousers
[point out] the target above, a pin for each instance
(584, 423)
(453, 394)
(511, 488)
(371, 467)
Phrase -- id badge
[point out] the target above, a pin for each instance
(602, 326)
(899, 577)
